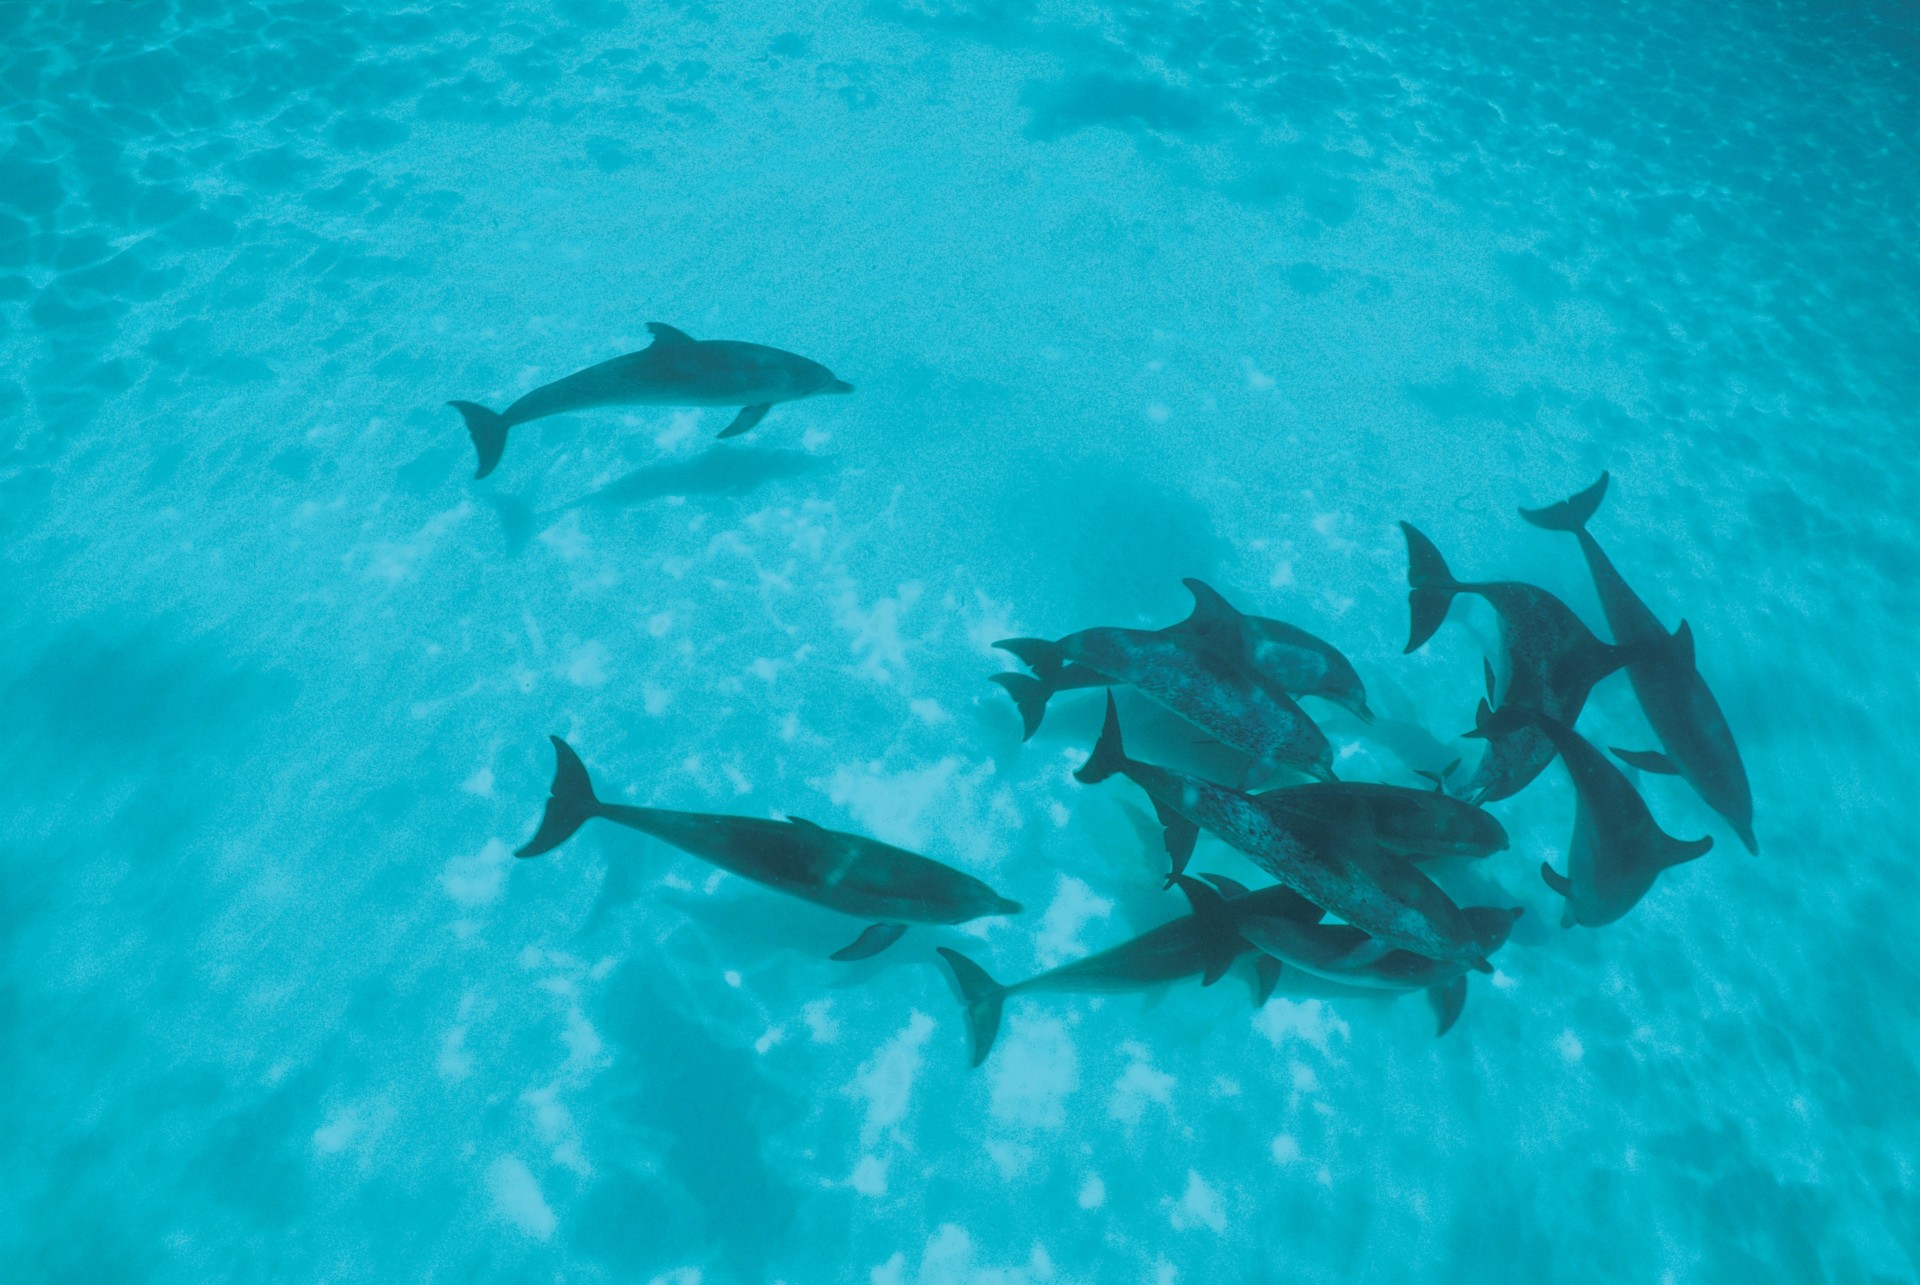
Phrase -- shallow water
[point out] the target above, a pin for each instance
(1128, 293)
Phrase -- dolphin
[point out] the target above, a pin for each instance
(675, 370)
(1330, 951)
(1369, 887)
(1553, 661)
(1286, 656)
(1210, 685)
(1683, 713)
(1419, 825)
(846, 872)
(1203, 943)
(1618, 849)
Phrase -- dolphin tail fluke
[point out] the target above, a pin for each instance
(1431, 587)
(1448, 999)
(1109, 754)
(1570, 514)
(1042, 657)
(983, 997)
(571, 803)
(489, 433)
(1030, 697)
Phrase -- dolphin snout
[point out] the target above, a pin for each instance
(837, 386)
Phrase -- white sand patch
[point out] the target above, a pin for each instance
(1198, 1206)
(517, 1199)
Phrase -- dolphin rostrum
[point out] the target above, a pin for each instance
(846, 872)
(1210, 685)
(1201, 944)
(675, 370)
(1340, 953)
(1384, 895)
(1553, 661)
(1618, 849)
(1683, 713)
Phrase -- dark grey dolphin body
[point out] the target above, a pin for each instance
(1682, 711)
(1285, 656)
(1201, 944)
(1191, 673)
(1553, 661)
(1341, 953)
(675, 370)
(1383, 894)
(846, 872)
(1618, 849)
(1417, 824)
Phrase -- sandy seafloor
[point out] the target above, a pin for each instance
(1129, 293)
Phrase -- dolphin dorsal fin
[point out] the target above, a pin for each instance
(1212, 615)
(666, 336)
(1207, 904)
(1683, 641)
(1228, 887)
(803, 824)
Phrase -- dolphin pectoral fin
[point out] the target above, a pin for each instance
(1266, 976)
(1448, 999)
(1217, 966)
(1556, 881)
(1370, 951)
(1228, 887)
(746, 419)
(1683, 642)
(1647, 761)
(1181, 834)
(665, 336)
(871, 941)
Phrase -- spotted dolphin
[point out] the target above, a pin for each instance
(1286, 656)
(1618, 849)
(1341, 953)
(675, 370)
(1682, 711)
(846, 872)
(1383, 894)
(1203, 944)
(1209, 685)
(1553, 661)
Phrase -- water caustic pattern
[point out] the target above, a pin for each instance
(1130, 295)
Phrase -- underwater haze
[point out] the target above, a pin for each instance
(1128, 293)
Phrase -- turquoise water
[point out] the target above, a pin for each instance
(1128, 293)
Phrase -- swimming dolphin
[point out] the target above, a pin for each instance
(1341, 953)
(1553, 661)
(1618, 849)
(846, 872)
(1203, 944)
(1286, 656)
(1684, 715)
(1383, 894)
(1419, 825)
(1209, 684)
(675, 370)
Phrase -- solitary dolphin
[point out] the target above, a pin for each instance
(1285, 655)
(1553, 661)
(846, 872)
(1684, 715)
(1209, 685)
(1618, 849)
(1340, 953)
(675, 370)
(1369, 887)
(1201, 944)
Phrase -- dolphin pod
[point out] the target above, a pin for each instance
(846, 872)
(675, 370)
(1359, 905)
(1682, 712)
